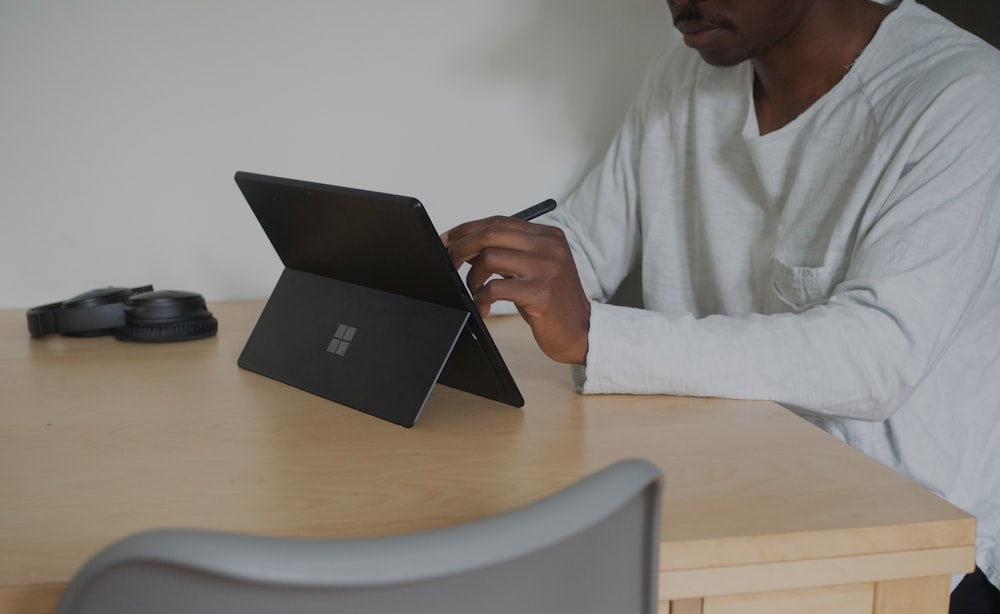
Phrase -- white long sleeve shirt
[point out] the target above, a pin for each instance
(845, 266)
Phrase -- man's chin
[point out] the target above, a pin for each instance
(713, 47)
(720, 58)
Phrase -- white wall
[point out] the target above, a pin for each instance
(123, 121)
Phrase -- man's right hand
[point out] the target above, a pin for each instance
(536, 272)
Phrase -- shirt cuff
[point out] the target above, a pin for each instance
(609, 352)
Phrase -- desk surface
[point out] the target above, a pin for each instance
(100, 438)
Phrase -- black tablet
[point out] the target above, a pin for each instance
(369, 311)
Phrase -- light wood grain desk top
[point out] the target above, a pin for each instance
(100, 438)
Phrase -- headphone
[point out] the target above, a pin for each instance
(130, 314)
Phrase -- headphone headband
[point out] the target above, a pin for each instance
(132, 314)
(96, 312)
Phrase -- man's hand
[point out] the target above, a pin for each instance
(536, 273)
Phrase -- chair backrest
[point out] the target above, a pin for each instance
(981, 17)
(591, 547)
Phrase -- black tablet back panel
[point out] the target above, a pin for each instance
(381, 242)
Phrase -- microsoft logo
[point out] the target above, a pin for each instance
(341, 340)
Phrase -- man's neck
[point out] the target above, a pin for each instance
(800, 69)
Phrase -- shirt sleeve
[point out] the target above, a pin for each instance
(922, 264)
(601, 216)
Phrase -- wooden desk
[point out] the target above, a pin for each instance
(763, 512)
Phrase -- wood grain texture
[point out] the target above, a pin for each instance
(913, 596)
(100, 438)
(681, 606)
(850, 599)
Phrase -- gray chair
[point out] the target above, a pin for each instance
(589, 548)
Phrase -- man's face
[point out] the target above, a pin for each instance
(727, 32)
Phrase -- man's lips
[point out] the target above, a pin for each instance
(699, 32)
(694, 27)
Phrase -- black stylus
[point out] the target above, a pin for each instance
(535, 210)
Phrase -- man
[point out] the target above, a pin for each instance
(811, 189)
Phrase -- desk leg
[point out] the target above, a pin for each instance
(913, 596)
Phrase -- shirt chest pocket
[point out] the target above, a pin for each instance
(797, 288)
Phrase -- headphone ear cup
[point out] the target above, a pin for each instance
(91, 314)
(166, 315)
(159, 333)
